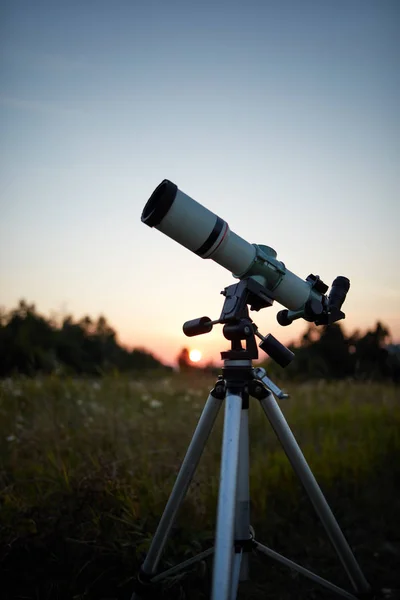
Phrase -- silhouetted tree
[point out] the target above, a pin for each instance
(327, 353)
(371, 355)
(184, 360)
(30, 344)
(18, 348)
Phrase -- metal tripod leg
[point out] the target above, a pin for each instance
(182, 482)
(304, 473)
(225, 527)
(242, 517)
(240, 565)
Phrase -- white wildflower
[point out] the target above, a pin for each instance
(96, 408)
(11, 438)
(155, 403)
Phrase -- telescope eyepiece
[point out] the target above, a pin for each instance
(339, 289)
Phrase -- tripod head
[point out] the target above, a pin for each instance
(238, 326)
(319, 308)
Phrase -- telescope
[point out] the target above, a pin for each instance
(262, 279)
(198, 229)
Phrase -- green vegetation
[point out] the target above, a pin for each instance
(88, 464)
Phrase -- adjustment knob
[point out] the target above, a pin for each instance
(197, 326)
(283, 318)
(277, 351)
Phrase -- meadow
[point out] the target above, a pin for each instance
(87, 466)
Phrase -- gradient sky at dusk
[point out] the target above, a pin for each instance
(282, 117)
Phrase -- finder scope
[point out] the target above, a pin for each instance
(189, 223)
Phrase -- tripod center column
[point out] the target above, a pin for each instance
(238, 374)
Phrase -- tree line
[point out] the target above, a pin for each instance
(31, 344)
(327, 353)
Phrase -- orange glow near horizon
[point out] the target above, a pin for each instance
(166, 347)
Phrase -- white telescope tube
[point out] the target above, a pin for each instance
(189, 223)
(196, 228)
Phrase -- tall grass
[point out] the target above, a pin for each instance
(87, 466)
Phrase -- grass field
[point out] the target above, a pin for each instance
(87, 466)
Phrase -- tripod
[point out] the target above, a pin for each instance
(234, 538)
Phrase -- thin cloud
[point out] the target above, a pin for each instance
(59, 62)
(38, 106)
(14, 56)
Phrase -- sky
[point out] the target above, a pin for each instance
(282, 117)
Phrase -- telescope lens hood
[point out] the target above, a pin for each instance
(159, 203)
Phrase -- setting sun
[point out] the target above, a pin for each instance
(195, 355)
